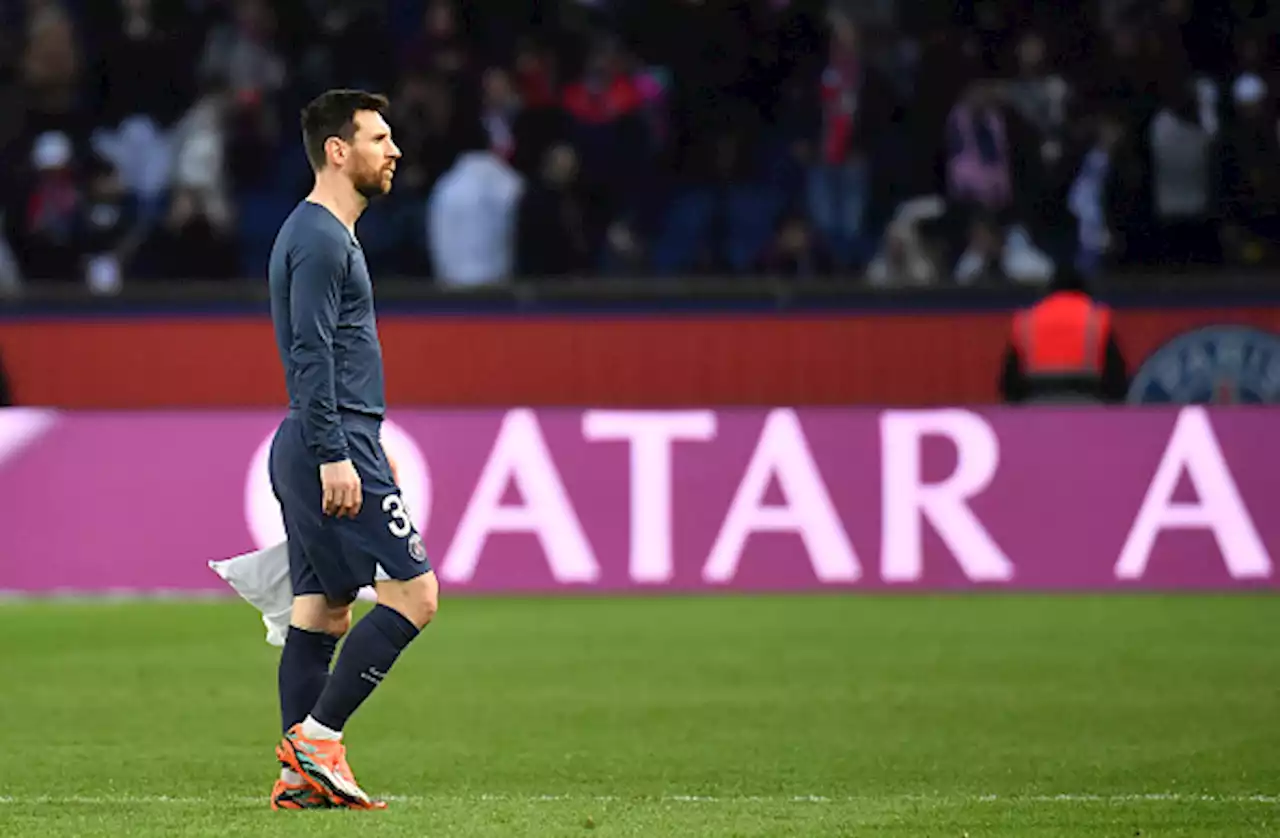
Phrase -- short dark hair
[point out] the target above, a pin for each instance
(332, 114)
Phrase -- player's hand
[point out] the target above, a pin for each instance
(342, 492)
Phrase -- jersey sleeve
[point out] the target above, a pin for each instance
(319, 269)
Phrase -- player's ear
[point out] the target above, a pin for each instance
(335, 149)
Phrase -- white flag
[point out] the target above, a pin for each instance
(261, 578)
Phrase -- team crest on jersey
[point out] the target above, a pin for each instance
(417, 549)
(1213, 365)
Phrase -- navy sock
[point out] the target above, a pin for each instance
(367, 656)
(304, 670)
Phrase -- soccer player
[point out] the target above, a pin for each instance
(345, 522)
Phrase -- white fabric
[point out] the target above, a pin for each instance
(471, 220)
(1248, 89)
(1020, 259)
(261, 578)
(141, 152)
(1180, 153)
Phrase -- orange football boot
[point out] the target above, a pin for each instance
(323, 764)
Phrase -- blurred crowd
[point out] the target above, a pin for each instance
(908, 143)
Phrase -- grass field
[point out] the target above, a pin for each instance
(1018, 717)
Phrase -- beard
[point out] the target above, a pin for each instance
(370, 184)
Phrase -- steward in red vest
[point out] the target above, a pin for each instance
(1062, 350)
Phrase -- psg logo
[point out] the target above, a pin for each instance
(417, 549)
(1213, 365)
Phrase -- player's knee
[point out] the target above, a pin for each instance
(339, 621)
(313, 612)
(417, 599)
(423, 596)
(430, 598)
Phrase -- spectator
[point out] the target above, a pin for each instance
(692, 150)
(1252, 58)
(552, 236)
(500, 106)
(608, 130)
(47, 94)
(856, 111)
(199, 153)
(904, 260)
(75, 220)
(535, 75)
(1000, 254)
(145, 68)
(1252, 172)
(243, 55)
(1039, 95)
(981, 262)
(111, 232)
(44, 222)
(424, 124)
(979, 157)
(1089, 198)
(471, 216)
(795, 251)
(195, 239)
(542, 121)
(142, 155)
(243, 52)
(1122, 78)
(440, 45)
(1182, 162)
(346, 45)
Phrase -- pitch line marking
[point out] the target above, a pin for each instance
(167, 800)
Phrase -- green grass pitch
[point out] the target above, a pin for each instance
(988, 716)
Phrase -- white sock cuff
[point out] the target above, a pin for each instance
(314, 730)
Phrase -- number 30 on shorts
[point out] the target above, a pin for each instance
(400, 525)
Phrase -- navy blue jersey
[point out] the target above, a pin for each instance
(326, 332)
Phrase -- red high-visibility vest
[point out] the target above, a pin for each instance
(1062, 336)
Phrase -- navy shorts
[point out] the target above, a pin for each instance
(338, 556)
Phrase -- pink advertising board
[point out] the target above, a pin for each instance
(523, 501)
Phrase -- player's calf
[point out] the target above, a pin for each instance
(371, 649)
(367, 656)
(316, 625)
(417, 599)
